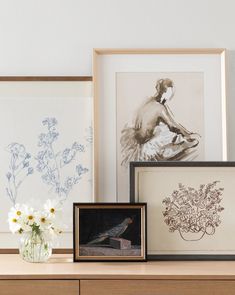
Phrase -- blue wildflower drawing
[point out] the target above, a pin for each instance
(19, 169)
(50, 163)
(89, 135)
(89, 143)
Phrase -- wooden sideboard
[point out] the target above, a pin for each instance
(61, 276)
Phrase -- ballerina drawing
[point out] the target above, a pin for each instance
(155, 134)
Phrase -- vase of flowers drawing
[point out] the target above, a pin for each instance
(194, 212)
(37, 229)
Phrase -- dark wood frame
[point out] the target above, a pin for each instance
(181, 257)
(42, 79)
(112, 205)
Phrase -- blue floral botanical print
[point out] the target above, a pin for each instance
(19, 168)
(50, 163)
(89, 135)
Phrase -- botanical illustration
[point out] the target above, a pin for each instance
(89, 135)
(194, 213)
(109, 232)
(19, 168)
(156, 134)
(49, 162)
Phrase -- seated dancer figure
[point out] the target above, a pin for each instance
(156, 135)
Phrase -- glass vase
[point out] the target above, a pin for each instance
(35, 247)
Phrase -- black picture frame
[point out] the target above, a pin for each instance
(98, 206)
(180, 257)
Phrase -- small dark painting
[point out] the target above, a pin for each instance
(110, 231)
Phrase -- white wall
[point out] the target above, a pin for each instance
(56, 37)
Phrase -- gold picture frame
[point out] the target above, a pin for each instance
(110, 232)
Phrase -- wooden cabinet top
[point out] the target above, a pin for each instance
(62, 267)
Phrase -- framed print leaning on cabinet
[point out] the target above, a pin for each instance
(156, 105)
(46, 148)
(190, 208)
(110, 232)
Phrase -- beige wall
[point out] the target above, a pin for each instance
(56, 37)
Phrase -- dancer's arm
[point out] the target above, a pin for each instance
(168, 118)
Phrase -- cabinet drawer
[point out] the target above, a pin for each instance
(39, 287)
(156, 287)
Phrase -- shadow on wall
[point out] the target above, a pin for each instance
(231, 103)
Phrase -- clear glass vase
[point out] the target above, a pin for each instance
(35, 247)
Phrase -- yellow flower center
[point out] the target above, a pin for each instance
(43, 220)
(20, 231)
(18, 213)
(14, 220)
(52, 210)
(30, 217)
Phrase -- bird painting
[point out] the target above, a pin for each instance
(114, 232)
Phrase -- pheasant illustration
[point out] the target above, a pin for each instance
(114, 232)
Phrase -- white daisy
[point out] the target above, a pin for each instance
(52, 207)
(16, 211)
(13, 223)
(14, 227)
(43, 220)
(29, 216)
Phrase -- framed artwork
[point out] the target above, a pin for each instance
(156, 105)
(109, 232)
(46, 148)
(190, 208)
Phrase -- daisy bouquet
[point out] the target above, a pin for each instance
(23, 218)
(38, 228)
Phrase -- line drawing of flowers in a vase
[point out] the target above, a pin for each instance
(194, 213)
(19, 169)
(50, 163)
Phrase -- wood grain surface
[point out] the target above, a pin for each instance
(43, 287)
(61, 266)
(117, 287)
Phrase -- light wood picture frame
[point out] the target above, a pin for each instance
(28, 98)
(126, 78)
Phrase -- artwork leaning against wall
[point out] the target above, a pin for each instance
(46, 146)
(190, 208)
(158, 104)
